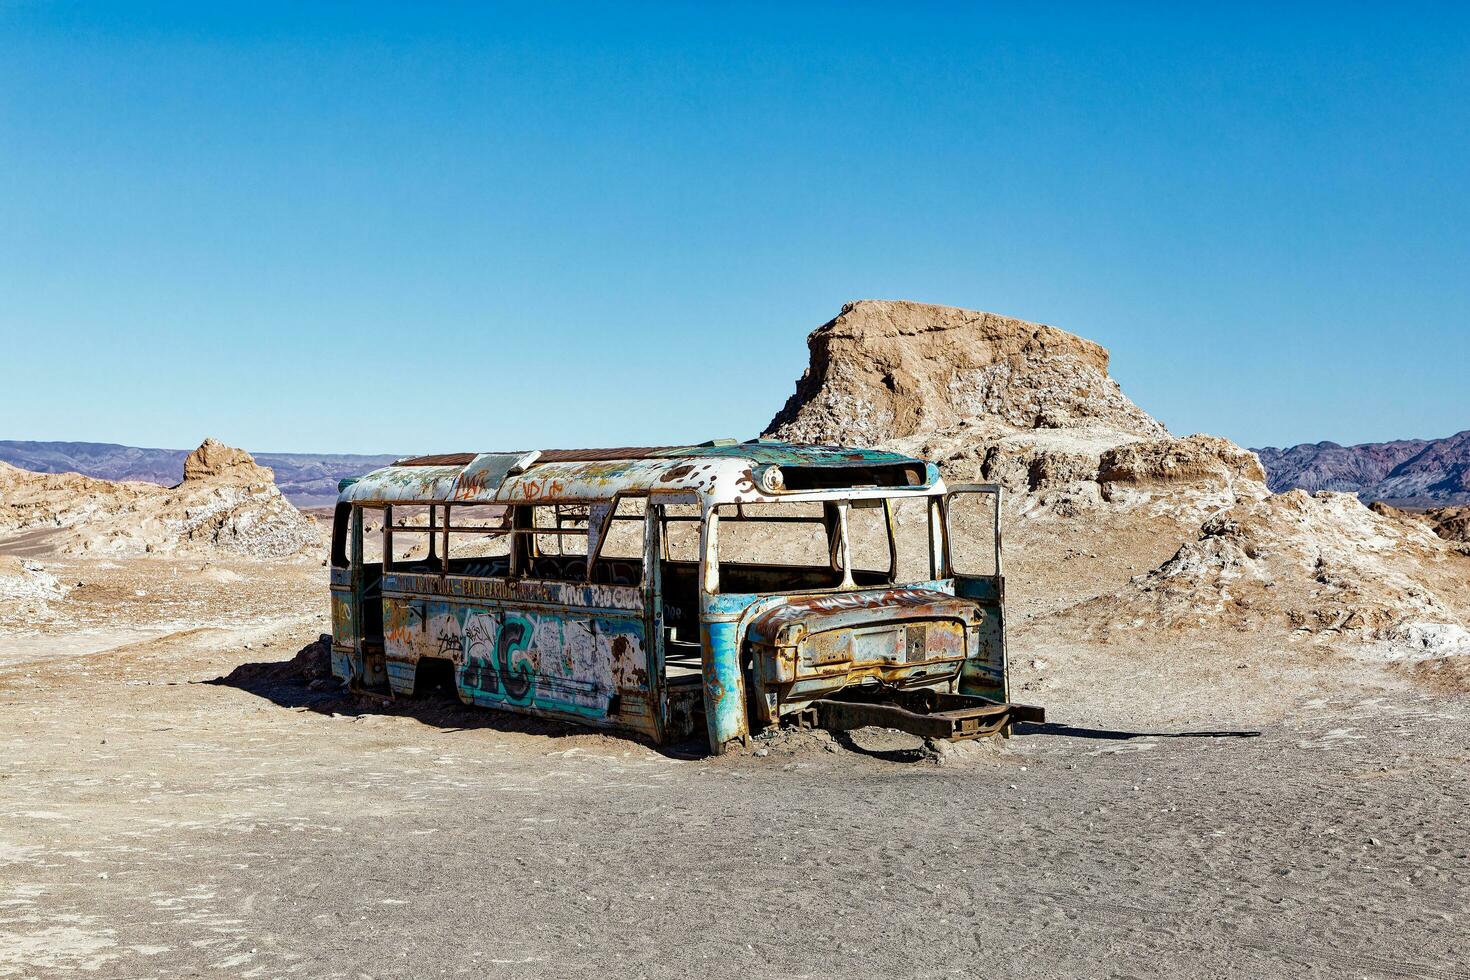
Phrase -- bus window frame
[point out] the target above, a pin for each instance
(339, 555)
(450, 527)
(524, 532)
(936, 536)
(430, 531)
(605, 526)
(890, 528)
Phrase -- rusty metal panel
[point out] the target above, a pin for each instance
(442, 459)
(403, 483)
(928, 714)
(484, 474)
(600, 455)
(886, 643)
(835, 610)
(763, 451)
(551, 455)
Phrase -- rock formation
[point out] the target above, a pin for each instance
(1321, 565)
(883, 370)
(1110, 519)
(305, 479)
(1001, 400)
(226, 502)
(27, 590)
(1450, 523)
(214, 461)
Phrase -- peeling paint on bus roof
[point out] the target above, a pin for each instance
(719, 473)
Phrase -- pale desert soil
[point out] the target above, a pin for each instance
(155, 826)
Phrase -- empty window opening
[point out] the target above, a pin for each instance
(476, 540)
(620, 533)
(786, 546)
(551, 541)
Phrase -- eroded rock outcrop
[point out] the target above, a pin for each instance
(1005, 401)
(226, 502)
(1450, 523)
(1164, 465)
(214, 461)
(1113, 524)
(884, 370)
(1317, 564)
(27, 590)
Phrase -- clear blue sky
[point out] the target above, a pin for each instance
(392, 228)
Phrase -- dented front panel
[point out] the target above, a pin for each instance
(837, 652)
(808, 647)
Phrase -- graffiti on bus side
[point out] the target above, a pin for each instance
(569, 662)
(489, 656)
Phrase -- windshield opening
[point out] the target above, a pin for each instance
(806, 546)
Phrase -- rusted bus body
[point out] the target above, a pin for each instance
(668, 631)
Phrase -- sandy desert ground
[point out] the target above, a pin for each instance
(158, 825)
(1254, 764)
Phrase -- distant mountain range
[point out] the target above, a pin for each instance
(307, 479)
(1405, 473)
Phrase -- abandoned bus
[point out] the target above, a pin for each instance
(724, 587)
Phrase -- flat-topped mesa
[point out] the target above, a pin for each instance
(215, 462)
(886, 369)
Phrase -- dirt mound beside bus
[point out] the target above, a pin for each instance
(226, 503)
(311, 664)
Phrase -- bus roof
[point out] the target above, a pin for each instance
(720, 471)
